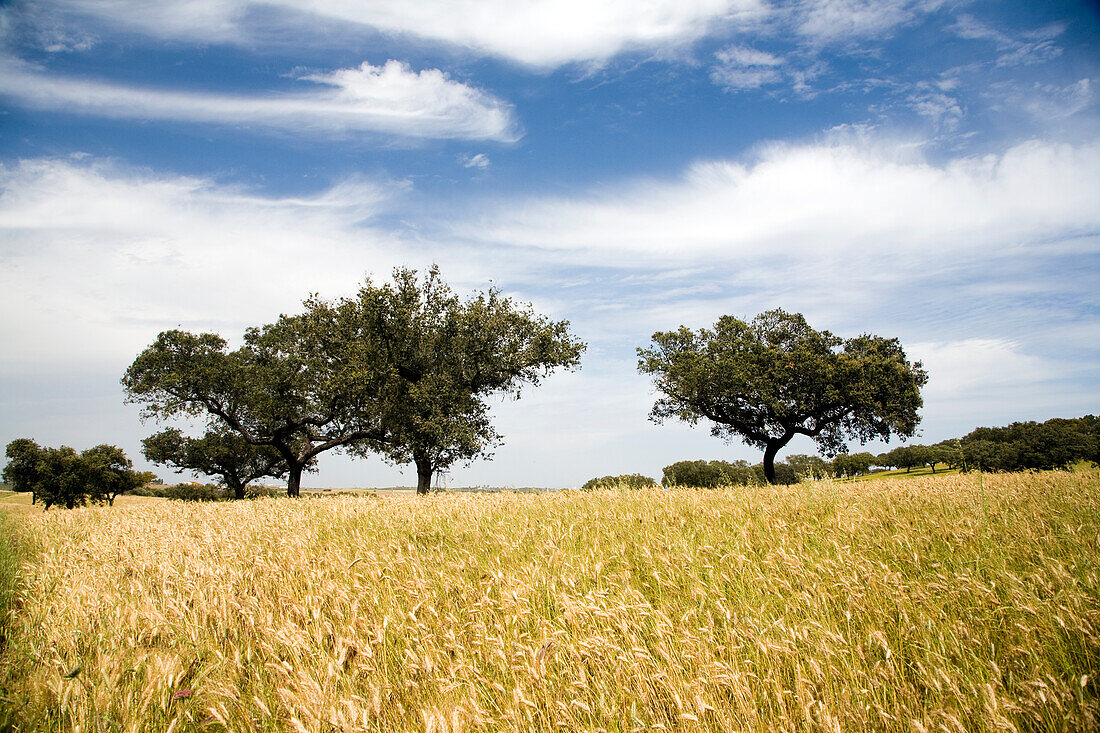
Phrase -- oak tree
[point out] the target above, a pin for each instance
(767, 380)
(439, 357)
(272, 391)
(219, 452)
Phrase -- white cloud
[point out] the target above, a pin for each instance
(391, 99)
(543, 33)
(992, 381)
(933, 102)
(1037, 47)
(1044, 102)
(480, 161)
(98, 259)
(821, 201)
(959, 369)
(741, 68)
(829, 21)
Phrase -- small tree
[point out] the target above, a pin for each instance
(951, 453)
(220, 452)
(108, 473)
(776, 377)
(697, 474)
(21, 471)
(61, 479)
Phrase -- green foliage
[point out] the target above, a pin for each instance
(627, 481)
(62, 476)
(439, 358)
(402, 369)
(1021, 446)
(785, 475)
(776, 377)
(220, 452)
(855, 464)
(21, 471)
(273, 391)
(809, 467)
(187, 492)
(707, 474)
(715, 474)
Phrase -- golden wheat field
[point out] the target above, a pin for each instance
(961, 603)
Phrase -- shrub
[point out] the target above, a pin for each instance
(186, 492)
(628, 481)
(714, 474)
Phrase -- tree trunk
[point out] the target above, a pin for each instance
(770, 453)
(238, 488)
(294, 480)
(423, 474)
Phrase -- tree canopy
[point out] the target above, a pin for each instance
(625, 481)
(439, 357)
(775, 377)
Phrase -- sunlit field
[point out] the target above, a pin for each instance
(961, 603)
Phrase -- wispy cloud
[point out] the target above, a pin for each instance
(1031, 48)
(740, 68)
(480, 161)
(821, 199)
(391, 99)
(830, 21)
(540, 33)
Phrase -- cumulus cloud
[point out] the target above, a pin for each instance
(542, 33)
(391, 99)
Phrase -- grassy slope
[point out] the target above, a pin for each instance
(941, 470)
(952, 602)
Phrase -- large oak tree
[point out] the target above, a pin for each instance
(775, 377)
(440, 357)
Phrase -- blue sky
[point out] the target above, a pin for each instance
(926, 169)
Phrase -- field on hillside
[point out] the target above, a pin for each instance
(949, 603)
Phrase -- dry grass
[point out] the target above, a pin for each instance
(947, 603)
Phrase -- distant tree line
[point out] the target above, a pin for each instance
(1021, 446)
(63, 477)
